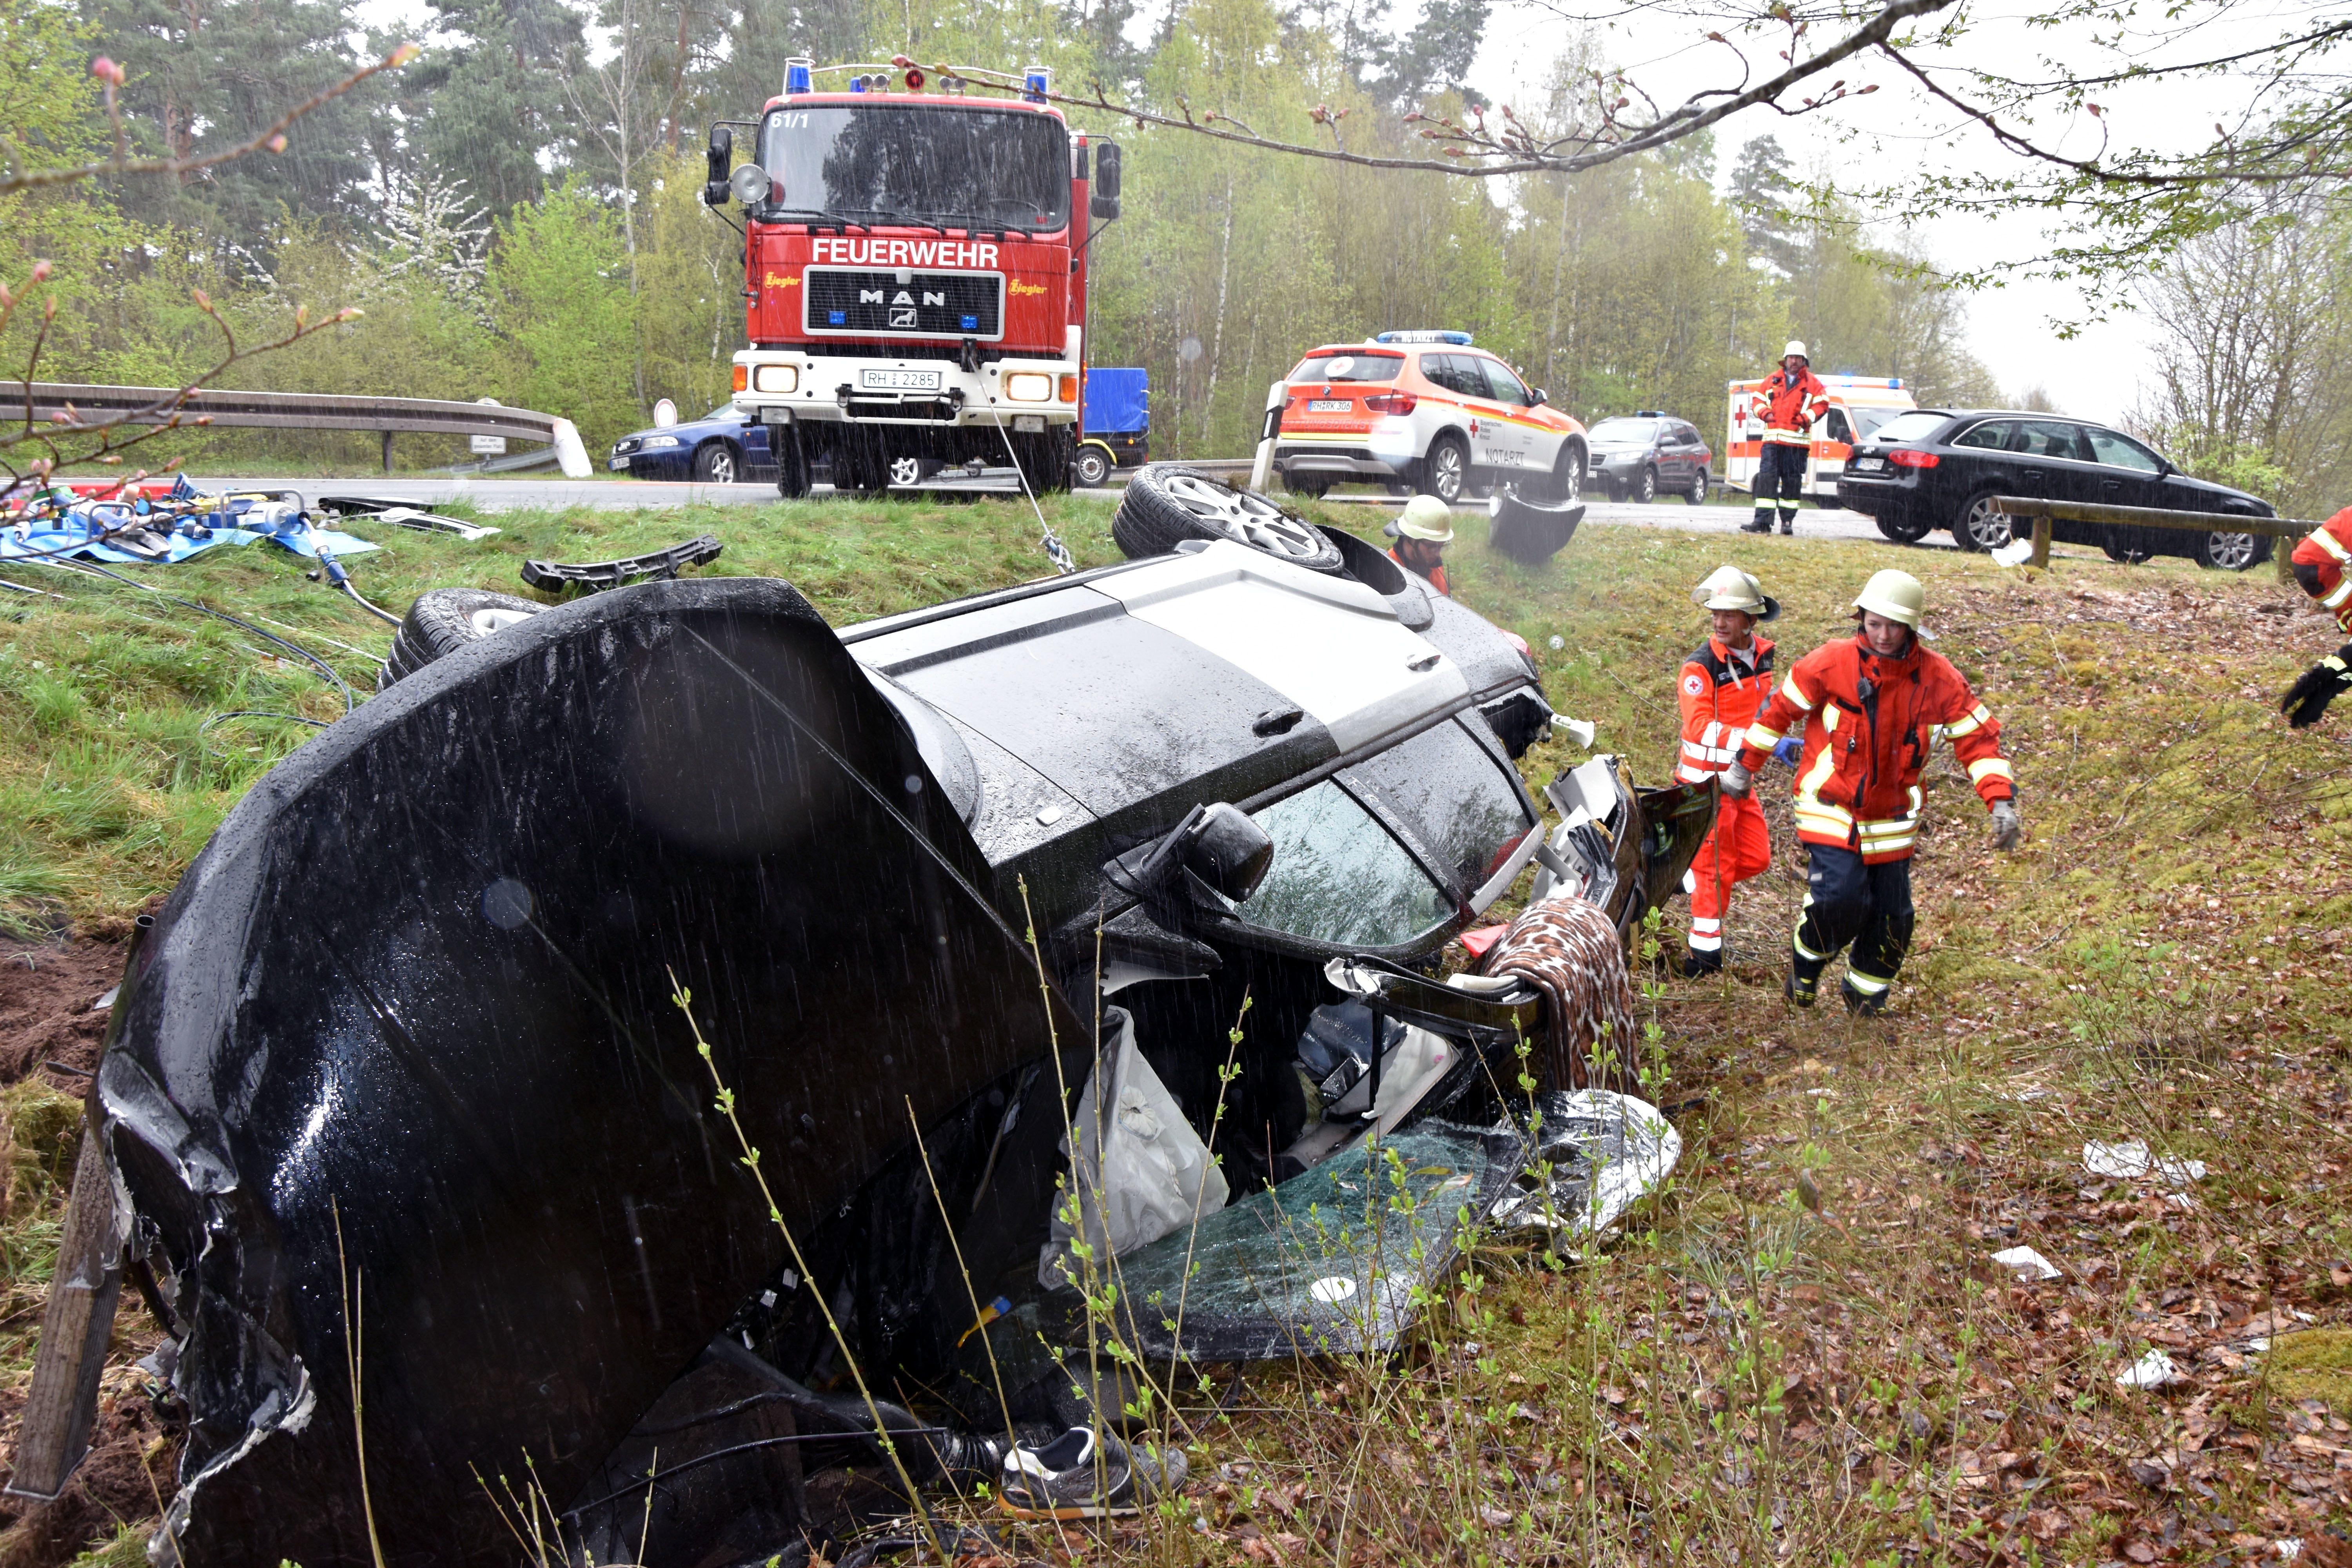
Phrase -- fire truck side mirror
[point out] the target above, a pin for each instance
(1105, 201)
(722, 153)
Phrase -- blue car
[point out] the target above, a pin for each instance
(721, 447)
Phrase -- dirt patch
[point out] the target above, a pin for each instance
(131, 1475)
(48, 1013)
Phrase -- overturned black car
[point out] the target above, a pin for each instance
(396, 1093)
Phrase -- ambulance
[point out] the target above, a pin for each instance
(1858, 406)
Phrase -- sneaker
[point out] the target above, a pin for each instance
(1082, 1475)
(1864, 1003)
(1799, 989)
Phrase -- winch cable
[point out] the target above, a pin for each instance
(299, 652)
(1058, 552)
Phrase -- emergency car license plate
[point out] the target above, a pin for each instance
(1330, 405)
(899, 380)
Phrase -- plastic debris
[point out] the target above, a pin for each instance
(2026, 1263)
(2129, 1161)
(2016, 553)
(2154, 1370)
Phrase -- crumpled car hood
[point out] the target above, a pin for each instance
(401, 1051)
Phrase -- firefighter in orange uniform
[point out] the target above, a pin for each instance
(1422, 532)
(1867, 707)
(2319, 563)
(1791, 399)
(1721, 686)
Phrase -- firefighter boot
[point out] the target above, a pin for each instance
(1698, 961)
(1864, 1003)
(1803, 981)
(1762, 523)
(1787, 520)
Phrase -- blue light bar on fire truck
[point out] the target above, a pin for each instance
(1459, 340)
(799, 73)
(1035, 83)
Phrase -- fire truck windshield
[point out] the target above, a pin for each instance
(942, 165)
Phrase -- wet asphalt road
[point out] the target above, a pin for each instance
(623, 495)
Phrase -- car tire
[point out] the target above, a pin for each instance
(1697, 494)
(1166, 505)
(1045, 459)
(715, 463)
(906, 471)
(2121, 553)
(1902, 530)
(1092, 467)
(1646, 489)
(1980, 526)
(1445, 472)
(1312, 489)
(792, 481)
(1613, 490)
(444, 620)
(1567, 473)
(2230, 552)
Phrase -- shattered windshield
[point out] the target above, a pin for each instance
(919, 161)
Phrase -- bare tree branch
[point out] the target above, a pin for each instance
(270, 141)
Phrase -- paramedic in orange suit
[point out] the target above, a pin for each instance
(1721, 686)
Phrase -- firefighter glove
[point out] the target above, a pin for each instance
(2315, 687)
(1790, 748)
(2008, 831)
(1735, 780)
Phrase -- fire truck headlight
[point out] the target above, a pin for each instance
(1029, 386)
(777, 378)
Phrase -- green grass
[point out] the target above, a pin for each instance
(1738, 1379)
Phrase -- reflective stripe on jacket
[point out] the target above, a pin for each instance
(2319, 563)
(1867, 720)
(1789, 407)
(1719, 695)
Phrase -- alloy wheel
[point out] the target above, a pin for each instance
(1250, 519)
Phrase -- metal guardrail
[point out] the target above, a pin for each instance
(2042, 512)
(221, 409)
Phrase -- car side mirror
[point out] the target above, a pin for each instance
(1216, 843)
(1105, 201)
(1539, 397)
(721, 154)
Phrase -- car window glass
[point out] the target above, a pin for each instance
(1338, 877)
(724, 411)
(1508, 387)
(1911, 425)
(2118, 450)
(1993, 435)
(1456, 374)
(1872, 421)
(1837, 429)
(1348, 366)
(1685, 434)
(1625, 432)
(2048, 438)
(1454, 797)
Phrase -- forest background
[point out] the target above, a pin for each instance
(517, 216)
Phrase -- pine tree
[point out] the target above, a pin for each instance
(1760, 186)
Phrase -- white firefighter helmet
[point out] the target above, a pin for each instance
(1894, 595)
(1426, 518)
(1797, 348)
(1729, 588)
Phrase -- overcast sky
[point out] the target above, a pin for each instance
(1899, 132)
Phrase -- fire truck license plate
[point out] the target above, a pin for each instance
(1330, 405)
(899, 380)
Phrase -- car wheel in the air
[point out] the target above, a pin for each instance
(1901, 528)
(1445, 472)
(715, 463)
(1981, 525)
(1697, 494)
(1165, 505)
(1093, 467)
(1645, 489)
(2230, 552)
(444, 620)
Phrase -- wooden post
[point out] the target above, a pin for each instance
(387, 451)
(63, 1399)
(2282, 551)
(2041, 541)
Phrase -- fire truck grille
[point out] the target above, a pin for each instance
(842, 301)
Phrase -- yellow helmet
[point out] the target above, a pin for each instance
(1729, 588)
(1426, 518)
(1894, 595)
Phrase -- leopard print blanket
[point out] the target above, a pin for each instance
(1568, 950)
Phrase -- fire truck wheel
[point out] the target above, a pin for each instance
(1165, 505)
(715, 464)
(1093, 465)
(791, 472)
(444, 620)
(1045, 459)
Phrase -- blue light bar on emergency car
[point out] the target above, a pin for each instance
(798, 74)
(1035, 83)
(857, 84)
(1460, 339)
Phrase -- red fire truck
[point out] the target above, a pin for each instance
(914, 262)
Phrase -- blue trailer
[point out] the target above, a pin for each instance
(1118, 424)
